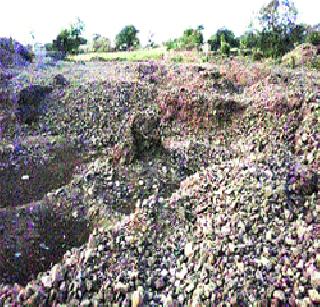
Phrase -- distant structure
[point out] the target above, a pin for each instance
(206, 48)
(40, 54)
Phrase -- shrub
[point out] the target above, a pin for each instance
(225, 49)
(293, 62)
(14, 53)
(314, 38)
(315, 63)
(177, 59)
(257, 55)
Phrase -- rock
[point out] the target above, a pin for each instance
(315, 279)
(47, 281)
(56, 274)
(142, 136)
(188, 249)
(269, 235)
(278, 294)
(318, 261)
(181, 274)
(145, 130)
(314, 296)
(60, 80)
(29, 103)
(92, 242)
(137, 297)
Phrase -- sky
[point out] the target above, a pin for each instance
(165, 18)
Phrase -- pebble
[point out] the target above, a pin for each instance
(188, 249)
(56, 273)
(47, 281)
(315, 279)
(314, 296)
(278, 294)
(181, 274)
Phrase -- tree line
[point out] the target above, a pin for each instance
(276, 34)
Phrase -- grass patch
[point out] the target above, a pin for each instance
(137, 55)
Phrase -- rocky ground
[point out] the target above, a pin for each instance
(213, 199)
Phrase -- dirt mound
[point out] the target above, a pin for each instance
(13, 53)
(303, 54)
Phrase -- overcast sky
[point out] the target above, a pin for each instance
(165, 18)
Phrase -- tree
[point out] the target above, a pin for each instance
(101, 44)
(298, 34)
(314, 38)
(230, 38)
(277, 20)
(172, 44)
(127, 38)
(69, 40)
(150, 43)
(192, 38)
(225, 47)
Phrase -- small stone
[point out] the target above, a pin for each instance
(181, 298)
(47, 281)
(92, 242)
(159, 284)
(278, 294)
(181, 274)
(290, 241)
(300, 264)
(190, 287)
(188, 249)
(315, 279)
(164, 273)
(56, 273)
(314, 296)
(318, 261)
(240, 266)
(265, 262)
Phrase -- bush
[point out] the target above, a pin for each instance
(315, 63)
(257, 55)
(14, 53)
(314, 38)
(225, 49)
(177, 59)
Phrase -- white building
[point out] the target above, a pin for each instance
(40, 53)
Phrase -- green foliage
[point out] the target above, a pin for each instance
(172, 44)
(298, 34)
(69, 40)
(101, 44)
(177, 59)
(293, 62)
(249, 40)
(215, 40)
(314, 38)
(315, 63)
(192, 38)
(127, 38)
(277, 20)
(225, 49)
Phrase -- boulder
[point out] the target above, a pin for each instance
(29, 103)
(145, 130)
(142, 136)
(60, 80)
